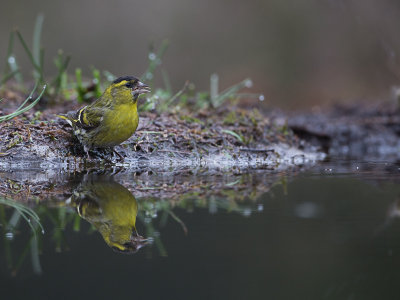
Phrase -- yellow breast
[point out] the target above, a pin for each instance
(119, 125)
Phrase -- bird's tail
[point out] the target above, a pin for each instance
(63, 117)
(66, 118)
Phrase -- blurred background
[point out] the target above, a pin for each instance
(298, 53)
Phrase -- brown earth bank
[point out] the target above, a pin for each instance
(368, 133)
(227, 138)
(224, 138)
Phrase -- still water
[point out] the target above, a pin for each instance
(329, 232)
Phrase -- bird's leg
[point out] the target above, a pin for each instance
(101, 154)
(121, 158)
(86, 149)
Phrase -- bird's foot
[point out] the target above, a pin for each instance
(100, 153)
(121, 158)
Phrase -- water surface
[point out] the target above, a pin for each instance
(331, 232)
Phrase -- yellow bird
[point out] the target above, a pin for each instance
(111, 119)
(111, 209)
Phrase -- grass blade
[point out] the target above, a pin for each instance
(11, 64)
(214, 88)
(164, 106)
(109, 76)
(10, 49)
(80, 90)
(20, 109)
(28, 98)
(239, 138)
(97, 83)
(37, 269)
(37, 34)
(154, 62)
(231, 92)
(62, 65)
(167, 82)
(28, 52)
(27, 213)
(8, 77)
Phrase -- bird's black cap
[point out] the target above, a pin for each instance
(127, 78)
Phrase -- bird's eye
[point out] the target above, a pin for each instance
(129, 85)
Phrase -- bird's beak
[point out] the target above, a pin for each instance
(138, 242)
(141, 88)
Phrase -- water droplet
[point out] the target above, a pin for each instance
(110, 78)
(247, 212)
(298, 159)
(306, 210)
(248, 83)
(152, 56)
(29, 220)
(11, 60)
(42, 231)
(149, 76)
(214, 77)
(9, 235)
(212, 207)
(260, 207)
(261, 97)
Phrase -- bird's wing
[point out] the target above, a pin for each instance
(90, 117)
(87, 117)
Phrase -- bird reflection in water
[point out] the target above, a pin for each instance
(111, 209)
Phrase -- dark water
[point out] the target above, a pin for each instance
(332, 232)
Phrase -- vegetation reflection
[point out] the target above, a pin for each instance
(117, 205)
(9, 227)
